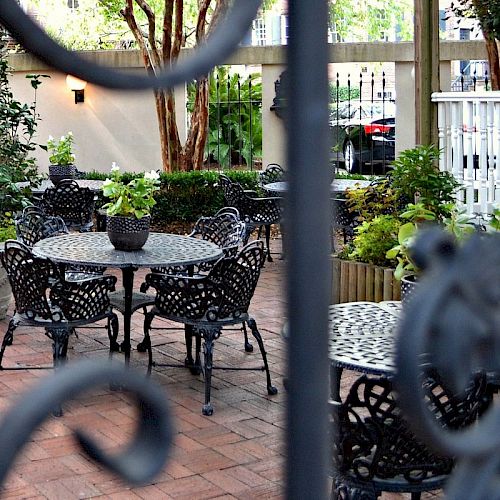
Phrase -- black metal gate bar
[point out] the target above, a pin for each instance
(307, 239)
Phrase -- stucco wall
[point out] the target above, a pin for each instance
(121, 126)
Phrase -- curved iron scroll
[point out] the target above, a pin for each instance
(217, 48)
(453, 323)
(143, 457)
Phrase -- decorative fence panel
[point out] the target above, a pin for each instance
(469, 137)
(234, 120)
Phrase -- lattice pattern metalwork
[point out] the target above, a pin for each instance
(74, 204)
(255, 212)
(272, 173)
(58, 306)
(374, 449)
(34, 225)
(210, 302)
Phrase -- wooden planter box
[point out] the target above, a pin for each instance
(354, 281)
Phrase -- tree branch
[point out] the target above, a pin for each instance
(129, 16)
(168, 12)
(178, 34)
(151, 30)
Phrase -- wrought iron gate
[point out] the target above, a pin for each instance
(308, 263)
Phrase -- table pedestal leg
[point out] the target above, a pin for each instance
(128, 285)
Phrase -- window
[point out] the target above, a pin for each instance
(73, 4)
(259, 32)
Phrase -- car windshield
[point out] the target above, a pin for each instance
(355, 110)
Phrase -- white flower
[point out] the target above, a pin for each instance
(107, 182)
(70, 133)
(50, 138)
(153, 175)
(114, 167)
(63, 138)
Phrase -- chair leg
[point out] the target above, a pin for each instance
(146, 342)
(246, 234)
(248, 346)
(209, 335)
(268, 237)
(271, 390)
(8, 337)
(59, 338)
(194, 365)
(112, 328)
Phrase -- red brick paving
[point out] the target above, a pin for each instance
(238, 453)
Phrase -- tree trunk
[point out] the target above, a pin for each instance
(494, 62)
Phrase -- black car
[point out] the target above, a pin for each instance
(363, 135)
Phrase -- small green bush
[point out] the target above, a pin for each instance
(186, 196)
(374, 238)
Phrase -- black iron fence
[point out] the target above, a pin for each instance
(234, 120)
(362, 123)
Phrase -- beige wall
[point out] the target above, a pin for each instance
(121, 126)
(109, 126)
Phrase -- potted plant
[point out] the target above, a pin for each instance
(62, 160)
(129, 208)
(457, 223)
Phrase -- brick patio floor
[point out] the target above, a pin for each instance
(236, 453)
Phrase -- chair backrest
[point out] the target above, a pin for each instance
(74, 204)
(224, 230)
(29, 279)
(233, 192)
(375, 444)
(34, 225)
(235, 279)
(272, 173)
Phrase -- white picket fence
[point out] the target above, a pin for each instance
(469, 139)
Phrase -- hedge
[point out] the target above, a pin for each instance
(186, 196)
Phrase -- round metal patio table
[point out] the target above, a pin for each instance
(95, 249)
(337, 186)
(94, 185)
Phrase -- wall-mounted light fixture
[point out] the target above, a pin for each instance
(77, 86)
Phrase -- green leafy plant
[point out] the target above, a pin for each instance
(458, 223)
(495, 219)
(374, 238)
(18, 124)
(416, 176)
(7, 231)
(379, 198)
(60, 151)
(234, 117)
(133, 198)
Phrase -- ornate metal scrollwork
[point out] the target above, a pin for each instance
(453, 324)
(216, 49)
(144, 456)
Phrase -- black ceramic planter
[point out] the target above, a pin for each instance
(127, 233)
(57, 173)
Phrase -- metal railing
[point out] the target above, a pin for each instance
(234, 121)
(362, 123)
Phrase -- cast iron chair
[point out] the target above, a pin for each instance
(34, 225)
(209, 303)
(57, 306)
(375, 451)
(272, 173)
(342, 219)
(255, 212)
(225, 230)
(74, 204)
